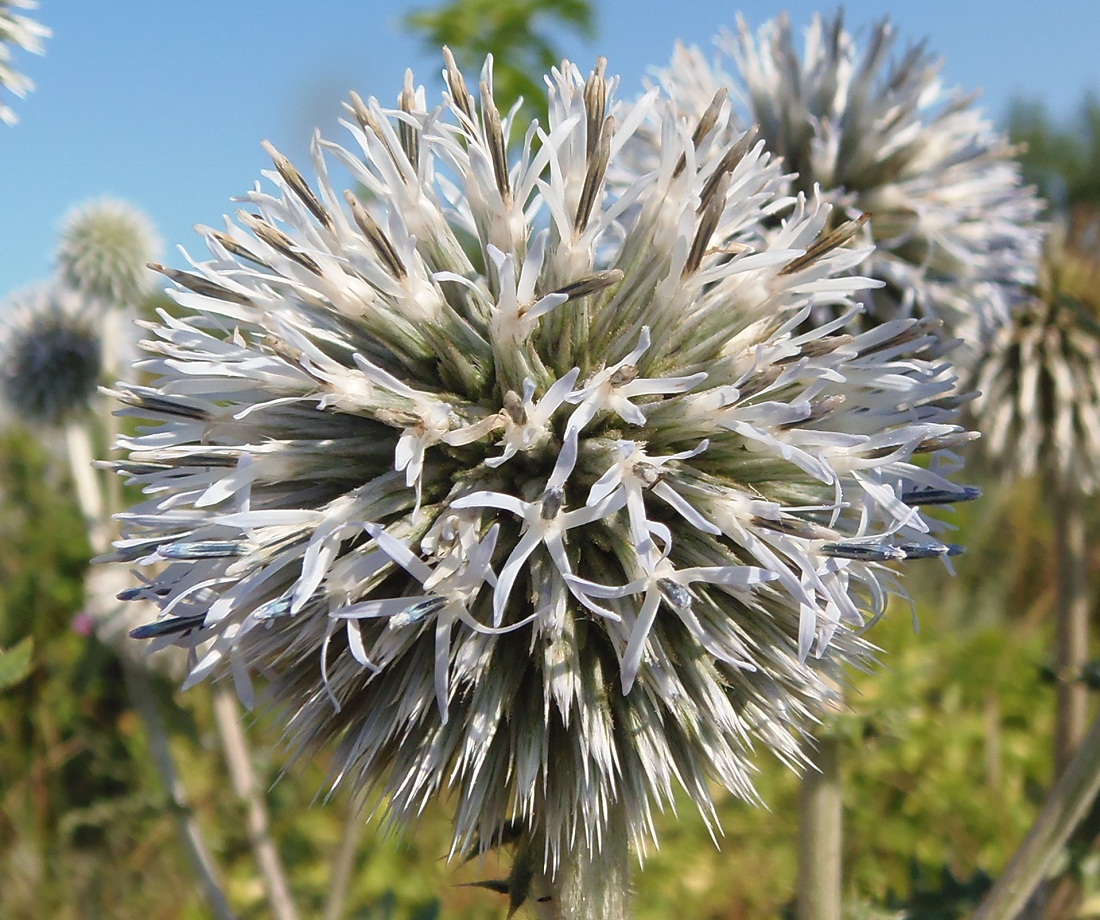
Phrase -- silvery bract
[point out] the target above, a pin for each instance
(50, 355)
(519, 484)
(17, 31)
(1039, 407)
(112, 621)
(877, 132)
(104, 250)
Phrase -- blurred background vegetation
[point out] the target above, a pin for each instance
(946, 749)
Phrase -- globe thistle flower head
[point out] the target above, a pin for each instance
(1039, 380)
(955, 233)
(104, 252)
(522, 484)
(17, 31)
(50, 355)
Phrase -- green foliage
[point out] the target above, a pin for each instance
(71, 795)
(515, 32)
(15, 663)
(944, 764)
(1063, 160)
(942, 753)
(941, 896)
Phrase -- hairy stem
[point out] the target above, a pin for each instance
(588, 886)
(228, 717)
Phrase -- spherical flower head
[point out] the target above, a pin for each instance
(522, 484)
(50, 355)
(874, 129)
(1039, 380)
(17, 31)
(104, 252)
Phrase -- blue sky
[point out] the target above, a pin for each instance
(165, 104)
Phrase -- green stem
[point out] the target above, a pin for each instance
(1071, 555)
(340, 881)
(1064, 808)
(144, 701)
(588, 886)
(227, 715)
(820, 812)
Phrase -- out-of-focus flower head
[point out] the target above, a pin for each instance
(50, 355)
(955, 233)
(1039, 380)
(524, 484)
(104, 252)
(17, 31)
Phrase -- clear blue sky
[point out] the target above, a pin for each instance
(165, 104)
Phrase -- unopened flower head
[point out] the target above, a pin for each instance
(1039, 381)
(50, 355)
(104, 252)
(525, 485)
(955, 233)
(17, 31)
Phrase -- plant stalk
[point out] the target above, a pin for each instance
(227, 715)
(114, 321)
(142, 697)
(588, 886)
(1065, 806)
(1072, 615)
(89, 491)
(344, 863)
(820, 813)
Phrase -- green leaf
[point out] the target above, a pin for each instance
(16, 663)
(520, 34)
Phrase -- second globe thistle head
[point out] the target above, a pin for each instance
(1039, 379)
(871, 126)
(104, 251)
(524, 482)
(50, 355)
